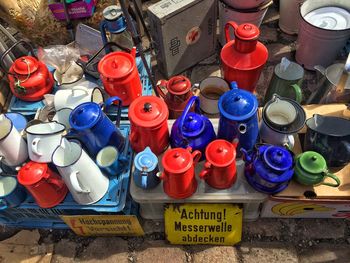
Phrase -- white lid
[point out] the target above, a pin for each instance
(331, 18)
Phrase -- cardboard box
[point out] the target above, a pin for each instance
(298, 201)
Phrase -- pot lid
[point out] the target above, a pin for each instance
(148, 111)
(25, 65)
(247, 31)
(112, 12)
(146, 160)
(116, 65)
(220, 153)
(179, 85)
(238, 104)
(32, 173)
(312, 162)
(177, 160)
(278, 158)
(84, 116)
(193, 125)
(330, 17)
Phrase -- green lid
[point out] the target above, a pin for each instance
(312, 162)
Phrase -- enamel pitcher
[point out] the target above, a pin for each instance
(268, 168)
(94, 129)
(238, 117)
(192, 129)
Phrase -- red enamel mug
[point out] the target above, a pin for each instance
(220, 166)
(179, 179)
(47, 188)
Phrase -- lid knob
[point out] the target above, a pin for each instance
(220, 149)
(176, 155)
(147, 107)
(314, 158)
(237, 98)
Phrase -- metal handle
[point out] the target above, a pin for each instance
(227, 30)
(334, 177)
(110, 101)
(10, 49)
(196, 155)
(191, 101)
(35, 146)
(75, 183)
(205, 172)
(161, 83)
(56, 182)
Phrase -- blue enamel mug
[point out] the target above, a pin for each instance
(11, 193)
(146, 169)
(111, 161)
(238, 117)
(91, 126)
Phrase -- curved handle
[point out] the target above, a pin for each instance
(144, 180)
(103, 30)
(74, 89)
(75, 183)
(227, 30)
(161, 83)
(10, 49)
(334, 177)
(110, 101)
(191, 101)
(246, 156)
(59, 184)
(35, 146)
(298, 93)
(3, 204)
(196, 155)
(205, 172)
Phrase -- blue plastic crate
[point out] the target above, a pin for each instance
(28, 109)
(116, 201)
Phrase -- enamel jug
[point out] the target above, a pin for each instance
(192, 129)
(268, 168)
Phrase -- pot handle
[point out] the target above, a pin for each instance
(10, 49)
(205, 172)
(56, 182)
(35, 146)
(298, 93)
(75, 183)
(3, 204)
(74, 89)
(196, 155)
(191, 101)
(334, 177)
(161, 83)
(110, 101)
(227, 30)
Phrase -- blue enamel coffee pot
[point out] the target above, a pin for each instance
(91, 126)
(192, 129)
(238, 117)
(268, 168)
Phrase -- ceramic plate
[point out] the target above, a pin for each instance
(332, 18)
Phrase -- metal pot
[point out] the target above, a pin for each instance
(289, 16)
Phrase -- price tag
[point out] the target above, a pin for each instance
(98, 225)
(219, 224)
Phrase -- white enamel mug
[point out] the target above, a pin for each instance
(82, 176)
(211, 89)
(43, 139)
(71, 98)
(13, 147)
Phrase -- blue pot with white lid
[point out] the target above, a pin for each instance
(146, 169)
(238, 117)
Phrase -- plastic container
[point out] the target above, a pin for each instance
(152, 201)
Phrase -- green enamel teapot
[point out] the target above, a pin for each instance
(311, 169)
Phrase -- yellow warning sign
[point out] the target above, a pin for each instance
(98, 225)
(219, 224)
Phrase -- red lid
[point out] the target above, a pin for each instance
(116, 65)
(31, 173)
(177, 160)
(148, 111)
(179, 85)
(25, 65)
(247, 32)
(220, 153)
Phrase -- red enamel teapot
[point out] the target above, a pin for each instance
(29, 78)
(178, 93)
(244, 57)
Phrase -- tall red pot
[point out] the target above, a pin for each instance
(244, 57)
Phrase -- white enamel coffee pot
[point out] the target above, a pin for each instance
(13, 148)
(43, 139)
(82, 176)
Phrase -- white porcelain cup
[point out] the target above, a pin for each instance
(43, 139)
(71, 98)
(82, 176)
(13, 148)
(62, 116)
(211, 89)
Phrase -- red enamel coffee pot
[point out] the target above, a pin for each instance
(148, 117)
(179, 179)
(220, 166)
(29, 78)
(244, 57)
(47, 188)
(178, 93)
(119, 75)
